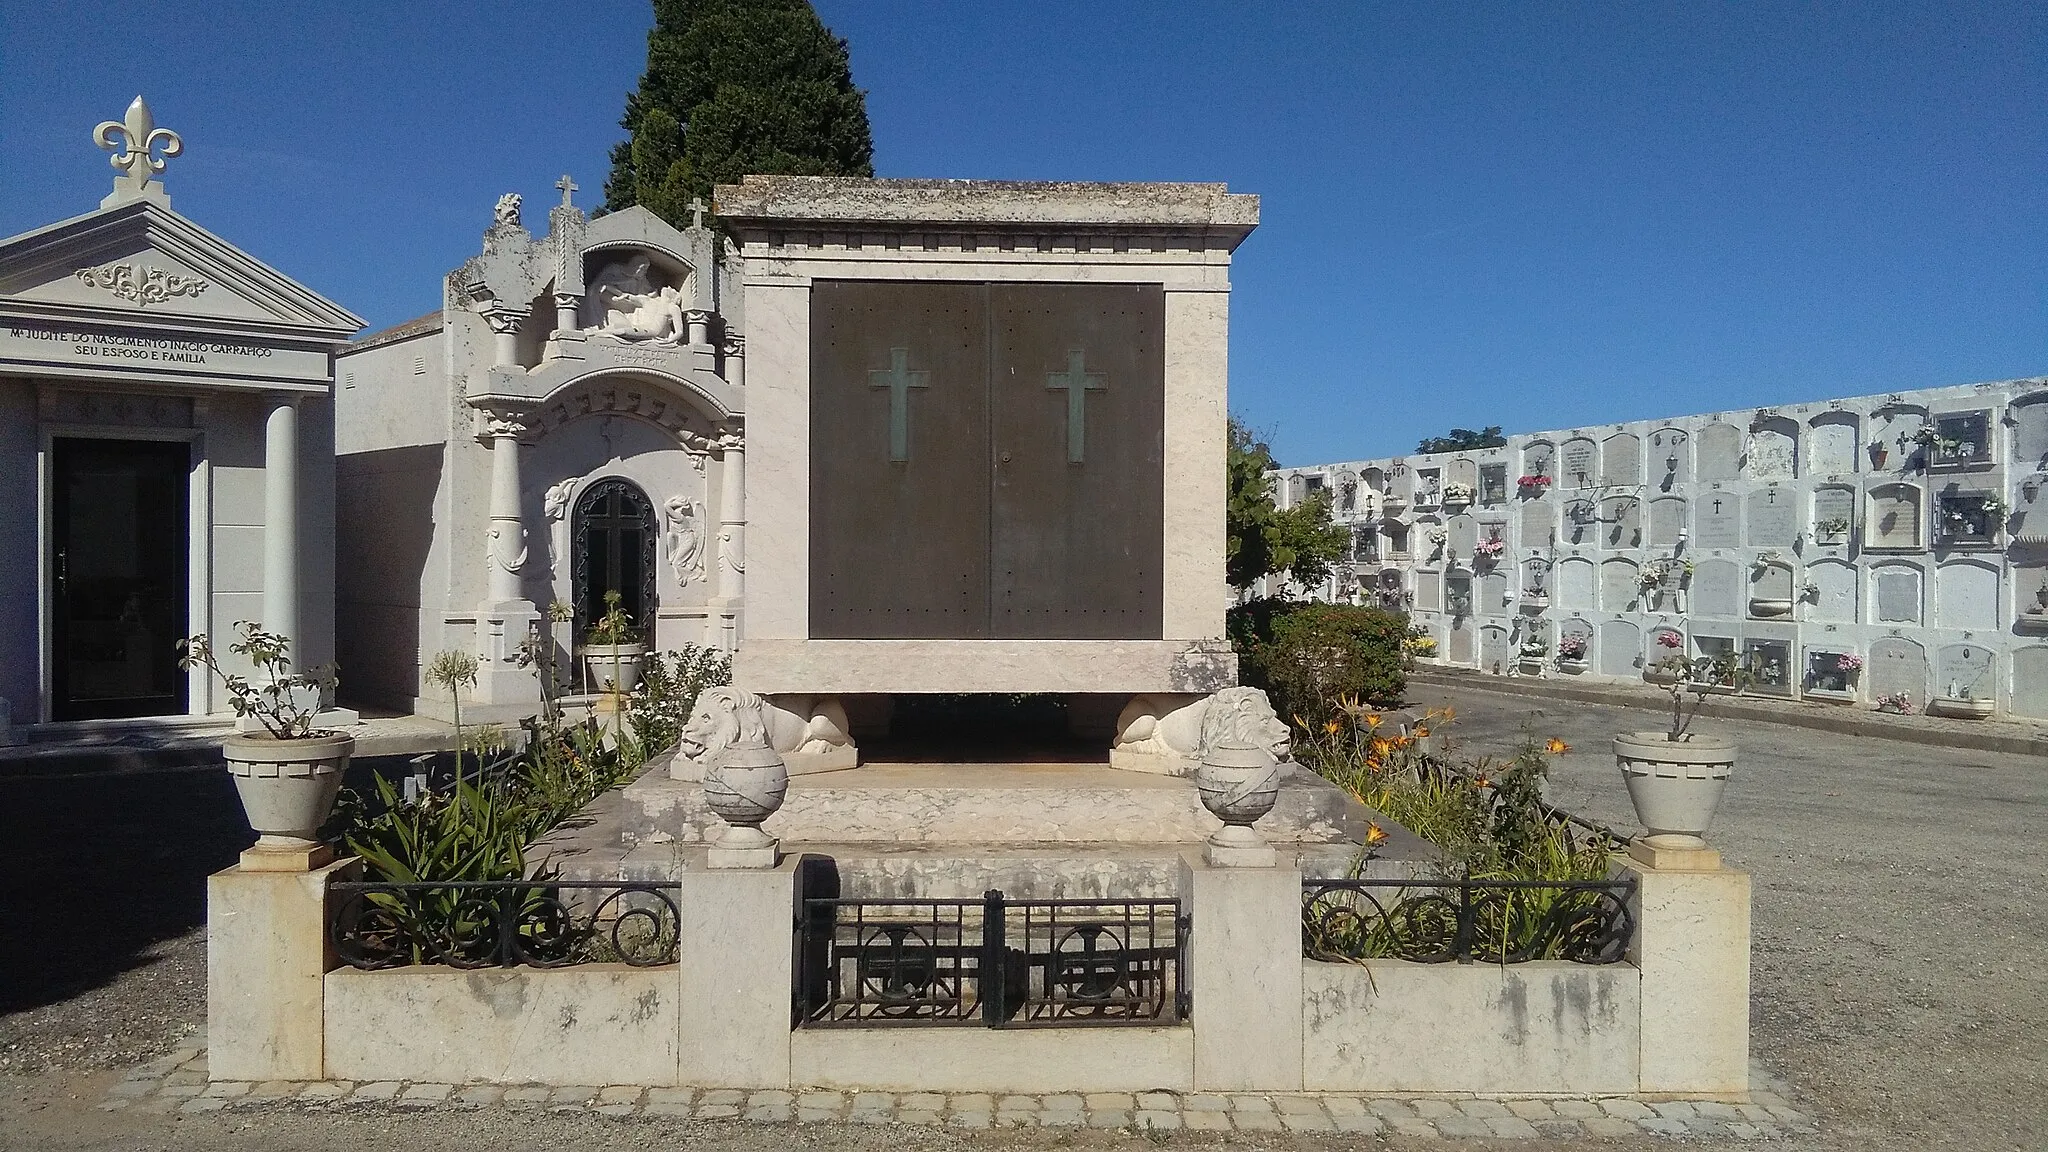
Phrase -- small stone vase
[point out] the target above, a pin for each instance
(745, 786)
(1675, 785)
(287, 788)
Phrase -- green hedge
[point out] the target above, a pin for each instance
(1309, 656)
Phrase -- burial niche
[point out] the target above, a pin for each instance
(1834, 514)
(1891, 518)
(1896, 592)
(1538, 521)
(1670, 463)
(1538, 458)
(2030, 682)
(1770, 590)
(1963, 672)
(1720, 452)
(1581, 521)
(1898, 667)
(1463, 642)
(1966, 595)
(1494, 597)
(1621, 648)
(1575, 583)
(1493, 647)
(1892, 428)
(1769, 662)
(1667, 521)
(1621, 459)
(1773, 515)
(1581, 463)
(1621, 522)
(1773, 451)
(1834, 591)
(1831, 444)
(1719, 524)
(1717, 589)
(2030, 432)
(1618, 587)
(1429, 587)
(614, 535)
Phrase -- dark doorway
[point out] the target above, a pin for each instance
(614, 551)
(120, 523)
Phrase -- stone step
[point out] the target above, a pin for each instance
(996, 804)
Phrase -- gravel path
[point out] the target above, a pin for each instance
(1901, 931)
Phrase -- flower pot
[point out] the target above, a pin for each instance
(1393, 506)
(1530, 664)
(1238, 784)
(1574, 667)
(1535, 601)
(1675, 785)
(1960, 708)
(615, 667)
(1769, 606)
(287, 786)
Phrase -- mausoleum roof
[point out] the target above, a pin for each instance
(774, 203)
(417, 326)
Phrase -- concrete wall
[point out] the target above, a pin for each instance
(971, 1059)
(1744, 497)
(20, 546)
(1545, 1026)
(593, 1024)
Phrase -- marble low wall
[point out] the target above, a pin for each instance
(591, 1024)
(1540, 1027)
(972, 1059)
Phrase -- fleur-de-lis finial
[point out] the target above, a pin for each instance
(139, 150)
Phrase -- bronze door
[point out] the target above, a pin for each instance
(899, 460)
(1077, 428)
(986, 460)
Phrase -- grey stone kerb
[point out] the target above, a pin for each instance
(1209, 213)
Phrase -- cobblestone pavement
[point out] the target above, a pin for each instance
(178, 1083)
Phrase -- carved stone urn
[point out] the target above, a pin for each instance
(1238, 784)
(615, 667)
(1675, 786)
(745, 786)
(287, 789)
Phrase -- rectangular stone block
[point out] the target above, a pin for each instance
(736, 962)
(1396, 1026)
(266, 956)
(1692, 945)
(1244, 970)
(1011, 1060)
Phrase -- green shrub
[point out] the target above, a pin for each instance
(1311, 657)
(668, 692)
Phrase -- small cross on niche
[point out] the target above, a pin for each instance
(568, 187)
(1077, 382)
(899, 380)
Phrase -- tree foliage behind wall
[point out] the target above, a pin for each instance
(1464, 439)
(1264, 539)
(736, 87)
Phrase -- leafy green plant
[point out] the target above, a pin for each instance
(284, 703)
(454, 671)
(615, 626)
(1310, 656)
(668, 692)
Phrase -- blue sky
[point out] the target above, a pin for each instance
(1531, 215)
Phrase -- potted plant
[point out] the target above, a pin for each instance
(613, 651)
(1489, 550)
(1534, 650)
(1533, 485)
(287, 773)
(1675, 777)
(1571, 652)
(1419, 645)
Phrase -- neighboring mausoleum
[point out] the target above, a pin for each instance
(165, 450)
(568, 423)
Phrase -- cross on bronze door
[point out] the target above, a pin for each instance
(1077, 382)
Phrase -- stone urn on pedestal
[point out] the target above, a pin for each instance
(1238, 784)
(287, 773)
(744, 786)
(1675, 786)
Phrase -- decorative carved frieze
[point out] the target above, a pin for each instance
(145, 284)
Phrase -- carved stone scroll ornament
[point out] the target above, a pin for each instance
(726, 718)
(145, 284)
(139, 150)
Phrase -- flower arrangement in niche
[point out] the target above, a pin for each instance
(1898, 703)
(1670, 640)
(1491, 548)
(1833, 526)
(1848, 662)
(1533, 484)
(1650, 576)
(1571, 646)
(1438, 535)
(1455, 493)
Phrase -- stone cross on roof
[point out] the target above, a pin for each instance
(696, 212)
(567, 186)
(139, 150)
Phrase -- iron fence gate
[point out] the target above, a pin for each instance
(994, 961)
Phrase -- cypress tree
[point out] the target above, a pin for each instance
(735, 87)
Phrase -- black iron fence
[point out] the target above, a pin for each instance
(994, 962)
(1489, 921)
(494, 923)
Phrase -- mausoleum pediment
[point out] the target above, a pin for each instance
(140, 264)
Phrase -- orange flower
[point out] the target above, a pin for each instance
(1482, 782)
(1331, 727)
(1373, 721)
(1380, 747)
(1375, 835)
(1421, 731)
(1556, 746)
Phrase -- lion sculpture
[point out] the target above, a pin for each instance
(799, 727)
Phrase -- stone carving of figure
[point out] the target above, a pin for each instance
(555, 503)
(506, 214)
(1179, 732)
(684, 538)
(726, 717)
(635, 309)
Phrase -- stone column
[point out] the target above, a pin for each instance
(698, 322)
(505, 617)
(730, 588)
(281, 520)
(566, 304)
(505, 322)
(735, 360)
